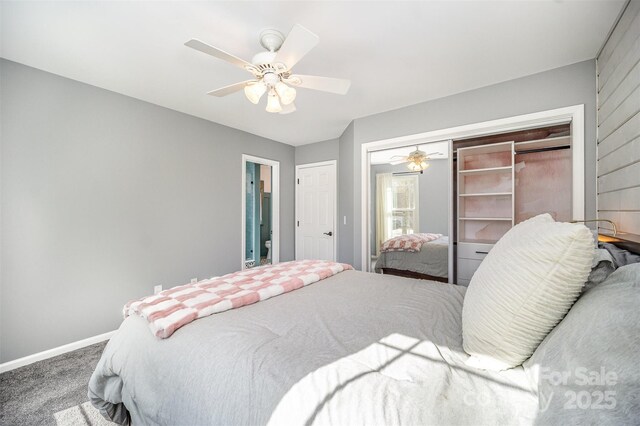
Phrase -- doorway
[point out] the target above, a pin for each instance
(316, 211)
(260, 212)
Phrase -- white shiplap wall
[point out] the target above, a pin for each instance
(619, 124)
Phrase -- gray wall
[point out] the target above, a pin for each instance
(560, 87)
(105, 196)
(346, 201)
(433, 196)
(319, 151)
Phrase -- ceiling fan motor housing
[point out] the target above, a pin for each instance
(417, 156)
(264, 62)
(263, 58)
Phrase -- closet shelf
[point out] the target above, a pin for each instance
(486, 218)
(486, 194)
(486, 171)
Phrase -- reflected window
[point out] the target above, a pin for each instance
(397, 205)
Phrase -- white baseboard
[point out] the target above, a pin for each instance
(30, 359)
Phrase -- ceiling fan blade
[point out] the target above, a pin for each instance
(396, 162)
(288, 109)
(297, 44)
(227, 90)
(338, 86)
(218, 53)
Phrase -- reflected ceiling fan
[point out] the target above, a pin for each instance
(272, 69)
(417, 159)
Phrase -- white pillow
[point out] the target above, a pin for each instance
(522, 289)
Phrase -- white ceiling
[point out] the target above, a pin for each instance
(395, 53)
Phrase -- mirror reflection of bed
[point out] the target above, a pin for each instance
(409, 211)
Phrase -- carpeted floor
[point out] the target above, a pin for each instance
(32, 394)
(81, 415)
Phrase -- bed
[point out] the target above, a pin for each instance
(359, 348)
(430, 263)
(236, 367)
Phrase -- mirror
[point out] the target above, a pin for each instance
(259, 212)
(410, 211)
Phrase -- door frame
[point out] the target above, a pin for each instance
(572, 114)
(334, 164)
(275, 206)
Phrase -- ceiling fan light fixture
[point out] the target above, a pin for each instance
(270, 79)
(254, 91)
(287, 94)
(417, 160)
(414, 167)
(273, 104)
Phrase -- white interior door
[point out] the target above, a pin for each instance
(316, 211)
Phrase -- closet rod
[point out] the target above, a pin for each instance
(525, 151)
(550, 148)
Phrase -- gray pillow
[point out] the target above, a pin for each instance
(586, 369)
(601, 267)
(620, 256)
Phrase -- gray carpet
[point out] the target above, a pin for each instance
(32, 394)
(81, 415)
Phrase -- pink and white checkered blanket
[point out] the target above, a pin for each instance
(411, 242)
(171, 309)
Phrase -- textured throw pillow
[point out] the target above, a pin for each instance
(522, 289)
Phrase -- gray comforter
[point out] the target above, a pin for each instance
(432, 259)
(389, 348)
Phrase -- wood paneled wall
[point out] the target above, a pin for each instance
(618, 68)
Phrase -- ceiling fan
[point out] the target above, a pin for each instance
(417, 159)
(272, 69)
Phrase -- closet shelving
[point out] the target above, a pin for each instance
(485, 176)
(489, 198)
(484, 171)
(485, 192)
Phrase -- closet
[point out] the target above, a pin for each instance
(502, 180)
